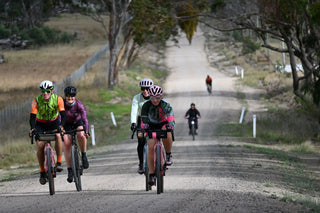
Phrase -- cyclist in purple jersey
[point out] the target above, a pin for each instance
(76, 119)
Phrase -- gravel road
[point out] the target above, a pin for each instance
(210, 174)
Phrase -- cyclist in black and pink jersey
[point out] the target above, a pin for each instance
(76, 119)
(153, 113)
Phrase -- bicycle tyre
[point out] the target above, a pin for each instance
(75, 165)
(50, 172)
(193, 131)
(158, 169)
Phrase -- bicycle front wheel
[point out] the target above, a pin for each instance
(193, 131)
(50, 171)
(158, 169)
(76, 169)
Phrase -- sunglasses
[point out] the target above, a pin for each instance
(45, 91)
(71, 95)
(155, 98)
(144, 88)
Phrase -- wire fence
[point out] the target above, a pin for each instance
(21, 111)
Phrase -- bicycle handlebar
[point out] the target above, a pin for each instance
(49, 134)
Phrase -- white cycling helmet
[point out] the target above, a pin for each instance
(146, 82)
(46, 85)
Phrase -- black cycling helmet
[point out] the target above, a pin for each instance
(192, 104)
(70, 90)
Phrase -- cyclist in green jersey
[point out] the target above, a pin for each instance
(44, 116)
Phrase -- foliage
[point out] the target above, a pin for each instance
(25, 13)
(188, 15)
(4, 32)
(151, 21)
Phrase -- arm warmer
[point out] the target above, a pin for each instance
(32, 120)
(63, 118)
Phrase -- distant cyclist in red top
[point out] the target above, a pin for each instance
(209, 83)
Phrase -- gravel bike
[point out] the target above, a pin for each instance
(50, 164)
(160, 164)
(76, 163)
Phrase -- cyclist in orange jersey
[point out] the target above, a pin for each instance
(44, 116)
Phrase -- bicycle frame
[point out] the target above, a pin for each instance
(49, 160)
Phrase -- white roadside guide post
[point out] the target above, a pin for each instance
(92, 135)
(242, 73)
(242, 114)
(236, 68)
(254, 126)
(113, 119)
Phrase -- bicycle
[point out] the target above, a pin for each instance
(159, 158)
(50, 164)
(76, 163)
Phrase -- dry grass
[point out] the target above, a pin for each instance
(25, 69)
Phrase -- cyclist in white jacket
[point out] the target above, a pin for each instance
(137, 103)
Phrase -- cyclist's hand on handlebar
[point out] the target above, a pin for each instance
(199, 116)
(87, 134)
(31, 132)
(185, 117)
(61, 129)
(133, 126)
(169, 126)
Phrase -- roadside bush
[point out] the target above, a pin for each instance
(38, 36)
(52, 36)
(249, 46)
(4, 32)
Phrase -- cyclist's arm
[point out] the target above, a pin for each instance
(33, 114)
(62, 111)
(84, 116)
(32, 121)
(63, 118)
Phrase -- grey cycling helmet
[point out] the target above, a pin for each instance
(146, 82)
(46, 85)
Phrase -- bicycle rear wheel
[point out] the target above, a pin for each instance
(50, 172)
(76, 169)
(158, 169)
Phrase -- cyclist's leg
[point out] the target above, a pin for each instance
(140, 147)
(67, 149)
(151, 144)
(196, 125)
(40, 155)
(190, 126)
(167, 142)
(82, 139)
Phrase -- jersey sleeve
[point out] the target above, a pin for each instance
(60, 104)
(84, 116)
(134, 109)
(34, 107)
